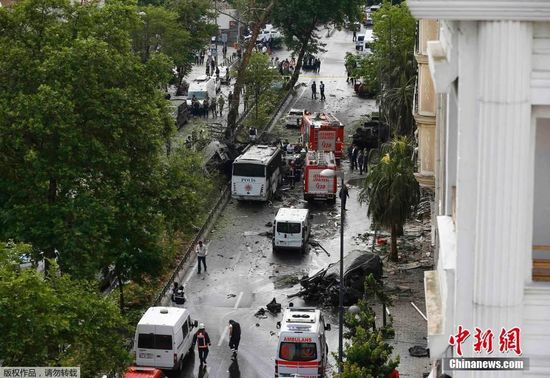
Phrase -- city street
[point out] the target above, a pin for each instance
(243, 272)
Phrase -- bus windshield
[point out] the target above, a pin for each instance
(248, 170)
(298, 351)
(288, 228)
(199, 95)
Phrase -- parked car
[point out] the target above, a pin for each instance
(294, 117)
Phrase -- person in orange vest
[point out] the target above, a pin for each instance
(202, 340)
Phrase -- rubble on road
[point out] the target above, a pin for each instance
(323, 287)
(273, 306)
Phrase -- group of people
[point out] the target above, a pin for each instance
(321, 90)
(358, 159)
(201, 337)
(214, 107)
(285, 67)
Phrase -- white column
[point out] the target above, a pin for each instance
(502, 211)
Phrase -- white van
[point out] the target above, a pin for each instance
(302, 350)
(202, 87)
(163, 337)
(291, 229)
(360, 42)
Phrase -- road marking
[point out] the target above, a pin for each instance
(238, 300)
(225, 331)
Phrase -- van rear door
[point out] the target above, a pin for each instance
(298, 356)
(164, 345)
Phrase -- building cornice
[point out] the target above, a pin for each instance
(424, 120)
(527, 10)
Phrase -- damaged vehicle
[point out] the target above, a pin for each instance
(323, 286)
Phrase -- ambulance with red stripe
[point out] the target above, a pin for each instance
(302, 350)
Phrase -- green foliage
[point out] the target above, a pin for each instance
(367, 355)
(364, 68)
(83, 127)
(58, 322)
(394, 33)
(299, 20)
(258, 77)
(391, 189)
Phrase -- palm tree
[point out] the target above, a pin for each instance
(391, 190)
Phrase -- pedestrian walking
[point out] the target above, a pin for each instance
(213, 109)
(317, 65)
(207, 71)
(202, 340)
(322, 90)
(344, 195)
(354, 154)
(354, 38)
(361, 161)
(229, 99)
(313, 90)
(234, 336)
(212, 66)
(217, 71)
(221, 103)
(201, 251)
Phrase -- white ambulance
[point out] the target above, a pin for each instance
(291, 229)
(302, 350)
(163, 337)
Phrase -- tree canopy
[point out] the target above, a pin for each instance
(57, 321)
(391, 190)
(83, 125)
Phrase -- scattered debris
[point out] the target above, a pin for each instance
(260, 314)
(315, 243)
(285, 281)
(324, 285)
(419, 351)
(420, 312)
(231, 296)
(269, 224)
(273, 307)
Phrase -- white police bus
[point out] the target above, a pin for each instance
(256, 173)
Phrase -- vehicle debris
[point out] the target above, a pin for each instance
(323, 286)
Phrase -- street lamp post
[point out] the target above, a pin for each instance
(334, 173)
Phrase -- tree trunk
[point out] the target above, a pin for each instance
(292, 82)
(400, 231)
(243, 64)
(120, 293)
(393, 248)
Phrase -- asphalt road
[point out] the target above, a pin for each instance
(243, 272)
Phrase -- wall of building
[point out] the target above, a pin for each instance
(541, 214)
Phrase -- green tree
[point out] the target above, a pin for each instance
(391, 190)
(367, 355)
(299, 21)
(82, 127)
(259, 11)
(258, 76)
(57, 321)
(394, 32)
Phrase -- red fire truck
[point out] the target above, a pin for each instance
(317, 187)
(323, 132)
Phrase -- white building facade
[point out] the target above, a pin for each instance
(491, 71)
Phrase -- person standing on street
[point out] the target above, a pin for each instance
(344, 195)
(213, 110)
(202, 252)
(234, 336)
(354, 154)
(221, 103)
(179, 297)
(360, 161)
(176, 286)
(313, 90)
(205, 107)
(322, 90)
(354, 38)
(202, 340)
